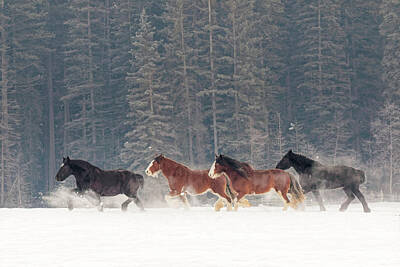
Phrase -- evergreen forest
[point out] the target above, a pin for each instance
(117, 82)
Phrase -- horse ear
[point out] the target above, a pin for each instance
(63, 159)
(216, 156)
(290, 151)
(68, 159)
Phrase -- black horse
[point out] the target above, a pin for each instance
(90, 178)
(315, 176)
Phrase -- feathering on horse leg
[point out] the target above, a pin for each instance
(219, 204)
(285, 199)
(244, 203)
(237, 200)
(124, 205)
(361, 197)
(138, 202)
(350, 198)
(183, 197)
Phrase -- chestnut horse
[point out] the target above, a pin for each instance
(246, 181)
(182, 180)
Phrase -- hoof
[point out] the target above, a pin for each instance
(367, 210)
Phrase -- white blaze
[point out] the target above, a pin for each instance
(211, 172)
(150, 173)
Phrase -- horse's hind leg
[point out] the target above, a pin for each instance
(318, 197)
(286, 201)
(131, 198)
(138, 202)
(350, 197)
(360, 196)
(183, 197)
(124, 205)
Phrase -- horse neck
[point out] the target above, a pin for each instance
(81, 168)
(168, 166)
(301, 168)
(233, 175)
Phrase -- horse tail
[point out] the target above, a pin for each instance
(296, 191)
(361, 175)
(140, 180)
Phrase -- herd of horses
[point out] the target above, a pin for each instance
(229, 179)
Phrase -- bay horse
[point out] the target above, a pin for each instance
(245, 180)
(315, 176)
(102, 183)
(183, 181)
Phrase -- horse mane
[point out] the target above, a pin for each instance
(242, 168)
(81, 165)
(304, 161)
(160, 157)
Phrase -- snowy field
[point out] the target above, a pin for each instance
(257, 236)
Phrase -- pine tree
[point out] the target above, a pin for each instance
(321, 78)
(389, 28)
(364, 53)
(177, 56)
(150, 130)
(84, 78)
(386, 130)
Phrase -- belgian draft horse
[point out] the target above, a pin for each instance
(182, 180)
(246, 181)
(315, 176)
(101, 182)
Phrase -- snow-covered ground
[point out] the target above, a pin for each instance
(257, 236)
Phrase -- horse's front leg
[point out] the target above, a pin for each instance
(75, 191)
(183, 197)
(99, 204)
(319, 199)
(90, 195)
(237, 200)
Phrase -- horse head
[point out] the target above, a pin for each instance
(154, 167)
(285, 163)
(217, 168)
(65, 170)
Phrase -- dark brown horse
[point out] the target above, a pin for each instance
(315, 176)
(246, 181)
(182, 180)
(101, 182)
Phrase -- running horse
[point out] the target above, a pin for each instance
(315, 176)
(245, 180)
(183, 181)
(103, 183)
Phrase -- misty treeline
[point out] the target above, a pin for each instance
(116, 82)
